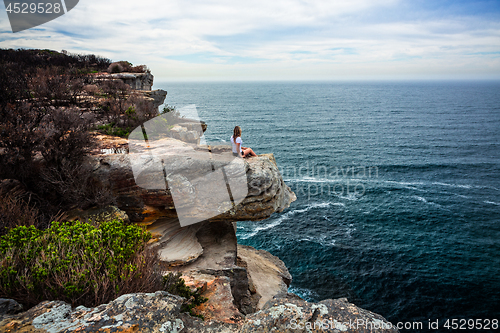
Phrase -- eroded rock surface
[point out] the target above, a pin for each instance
(287, 313)
(267, 274)
(137, 81)
(160, 312)
(176, 245)
(220, 305)
(218, 262)
(189, 168)
(142, 312)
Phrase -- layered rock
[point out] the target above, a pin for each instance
(142, 312)
(136, 81)
(148, 195)
(267, 274)
(216, 271)
(142, 82)
(157, 96)
(205, 252)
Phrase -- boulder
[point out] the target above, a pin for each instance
(287, 313)
(9, 306)
(189, 169)
(157, 97)
(267, 274)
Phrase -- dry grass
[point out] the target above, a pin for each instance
(15, 210)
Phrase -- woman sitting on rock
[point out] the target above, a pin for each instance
(238, 150)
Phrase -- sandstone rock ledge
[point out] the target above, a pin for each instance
(267, 192)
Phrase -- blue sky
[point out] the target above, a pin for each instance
(281, 40)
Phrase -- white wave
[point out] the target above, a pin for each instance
(306, 294)
(258, 229)
(312, 180)
(332, 243)
(350, 197)
(405, 183)
(415, 189)
(492, 203)
(284, 217)
(452, 185)
(322, 242)
(424, 200)
(420, 198)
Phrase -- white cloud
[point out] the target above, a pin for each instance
(270, 39)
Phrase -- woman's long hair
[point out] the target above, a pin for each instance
(236, 133)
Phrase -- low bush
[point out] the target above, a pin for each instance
(111, 129)
(172, 114)
(15, 211)
(72, 185)
(77, 262)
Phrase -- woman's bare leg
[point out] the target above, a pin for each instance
(248, 152)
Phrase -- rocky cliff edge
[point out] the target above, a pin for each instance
(246, 288)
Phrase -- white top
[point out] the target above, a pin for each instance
(238, 140)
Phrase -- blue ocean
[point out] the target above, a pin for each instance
(397, 184)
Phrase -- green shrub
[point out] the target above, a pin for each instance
(112, 129)
(76, 262)
(174, 284)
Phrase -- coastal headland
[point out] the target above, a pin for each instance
(246, 288)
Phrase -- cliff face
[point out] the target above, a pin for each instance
(140, 82)
(246, 288)
(190, 167)
(136, 81)
(205, 252)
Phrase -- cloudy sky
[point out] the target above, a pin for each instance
(281, 39)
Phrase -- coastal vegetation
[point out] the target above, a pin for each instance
(52, 106)
(84, 264)
(76, 262)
